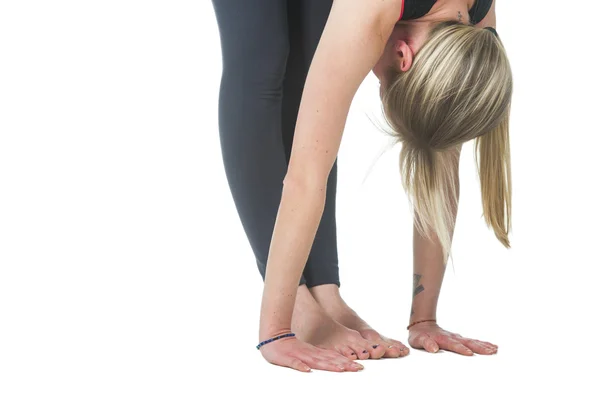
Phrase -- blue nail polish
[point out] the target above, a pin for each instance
(365, 351)
(375, 346)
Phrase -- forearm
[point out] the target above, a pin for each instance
(296, 225)
(429, 266)
(428, 274)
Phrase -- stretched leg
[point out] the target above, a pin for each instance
(307, 19)
(255, 47)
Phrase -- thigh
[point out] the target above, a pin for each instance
(255, 47)
(254, 40)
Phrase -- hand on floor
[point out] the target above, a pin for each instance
(298, 355)
(431, 337)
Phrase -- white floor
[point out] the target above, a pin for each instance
(124, 271)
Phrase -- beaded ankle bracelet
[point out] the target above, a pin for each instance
(268, 341)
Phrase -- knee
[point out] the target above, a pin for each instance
(259, 65)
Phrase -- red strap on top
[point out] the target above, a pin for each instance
(401, 11)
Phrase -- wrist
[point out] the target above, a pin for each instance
(275, 317)
(267, 334)
(424, 322)
(416, 315)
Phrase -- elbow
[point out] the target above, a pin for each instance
(304, 185)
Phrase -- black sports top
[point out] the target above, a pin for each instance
(413, 9)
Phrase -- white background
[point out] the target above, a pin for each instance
(124, 269)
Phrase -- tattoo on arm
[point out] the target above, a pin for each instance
(417, 288)
(460, 16)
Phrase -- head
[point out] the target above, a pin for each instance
(442, 86)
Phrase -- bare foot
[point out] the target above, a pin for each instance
(313, 325)
(328, 296)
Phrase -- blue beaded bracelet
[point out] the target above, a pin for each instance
(268, 341)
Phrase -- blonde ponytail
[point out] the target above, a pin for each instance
(459, 88)
(493, 159)
(430, 178)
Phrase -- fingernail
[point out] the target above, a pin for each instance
(357, 366)
(390, 347)
(436, 349)
(375, 346)
(365, 351)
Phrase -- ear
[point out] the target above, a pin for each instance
(404, 55)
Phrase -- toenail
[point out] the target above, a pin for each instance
(365, 351)
(353, 354)
(375, 346)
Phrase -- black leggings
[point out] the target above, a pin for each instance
(267, 48)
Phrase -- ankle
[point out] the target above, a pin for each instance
(328, 294)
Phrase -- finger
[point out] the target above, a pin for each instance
(487, 344)
(351, 366)
(347, 364)
(493, 347)
(429, 344)
(317, 362)
(462, 339)
(453, 345)
(477, 347)
(424, 341)
(327, 365)
(296, 364)
(335, 358)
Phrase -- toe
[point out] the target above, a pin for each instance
(399, 347)
(392, 351)
(393, 348)
(380, 346)
(361, 351)
(359, 345)
(377, 349)
(348, 352)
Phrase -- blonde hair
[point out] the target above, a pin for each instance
(459, 88)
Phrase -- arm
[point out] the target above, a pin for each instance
(429, 268)
(428, 274)
(352, 42)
